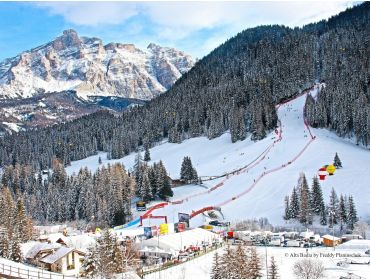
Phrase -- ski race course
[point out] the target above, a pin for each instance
(250, 179)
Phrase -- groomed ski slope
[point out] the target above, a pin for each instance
(258, 190)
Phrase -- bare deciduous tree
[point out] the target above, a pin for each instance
(308, 269)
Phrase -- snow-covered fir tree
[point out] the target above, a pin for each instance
(317, 201)
(5, 249)
(147, 154)
(352, 218)
(337, 161)
(254, 264)
(332, 208)
(287, 214)
(342, 212)
(294, 205)
(188, 172)
(273, 270)
(241, 262)
(91, 263)
(305, 216)
(145, 190)
(15, 249)
(216, 272)
(164, 189)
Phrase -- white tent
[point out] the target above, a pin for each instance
(177, 241)
(123, 233)
(356, 244)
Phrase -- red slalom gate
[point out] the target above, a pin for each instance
(204, 209)
(157, 206)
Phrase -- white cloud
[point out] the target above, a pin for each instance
(196, 15)
(92, 13)
(176, 23)
(199, 15)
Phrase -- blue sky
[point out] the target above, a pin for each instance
(194, 27)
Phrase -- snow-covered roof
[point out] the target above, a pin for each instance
(58, 254)
(129, 232)
(177, 241)
(80, 242)
(330, 237)
(40, 247)
(356, 244)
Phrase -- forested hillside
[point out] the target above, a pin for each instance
(234, 88)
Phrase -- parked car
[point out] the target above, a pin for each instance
(216, 223)
(342, 264)
(237, 242)
(367, 252)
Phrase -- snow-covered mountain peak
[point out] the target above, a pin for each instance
(84, 64)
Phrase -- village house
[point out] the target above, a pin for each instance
(66, 261)
(330, 240)
(56, 258)
(39, 251)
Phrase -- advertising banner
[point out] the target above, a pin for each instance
(163, 229)
(184, 218)
(148, 232)
(154, 230)
(181, 227)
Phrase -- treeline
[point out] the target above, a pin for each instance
(152, 182)
(15, 226)
(233, 88)
(307, 205)
(241, 262)
(103, 198)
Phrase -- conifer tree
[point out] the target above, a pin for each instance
(305, 208)
(287, 208)
(117, 257)
(146, 191)
(241, 264)
(91, 263)
(273, 271)
(147, 154)
(15, 249)
(254, 264)
(317, 201)
(5, 245)
(99, 160)
(352, 213)
(294, 205)
(226, 264)
(165, 190)
(21, 221)
(333, 208)
(188, 172)
(337, 161)
(216, 272)
(323, 217)
(342, 212)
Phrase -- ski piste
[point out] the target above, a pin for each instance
(227, 176)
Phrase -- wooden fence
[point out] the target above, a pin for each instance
(8, 271)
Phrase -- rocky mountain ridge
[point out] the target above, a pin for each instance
(85, 65)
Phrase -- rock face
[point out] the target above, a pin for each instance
(90, 68)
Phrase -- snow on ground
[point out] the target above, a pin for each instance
(265, 199)
(200, 268)
(13, 126)
(19, 270)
